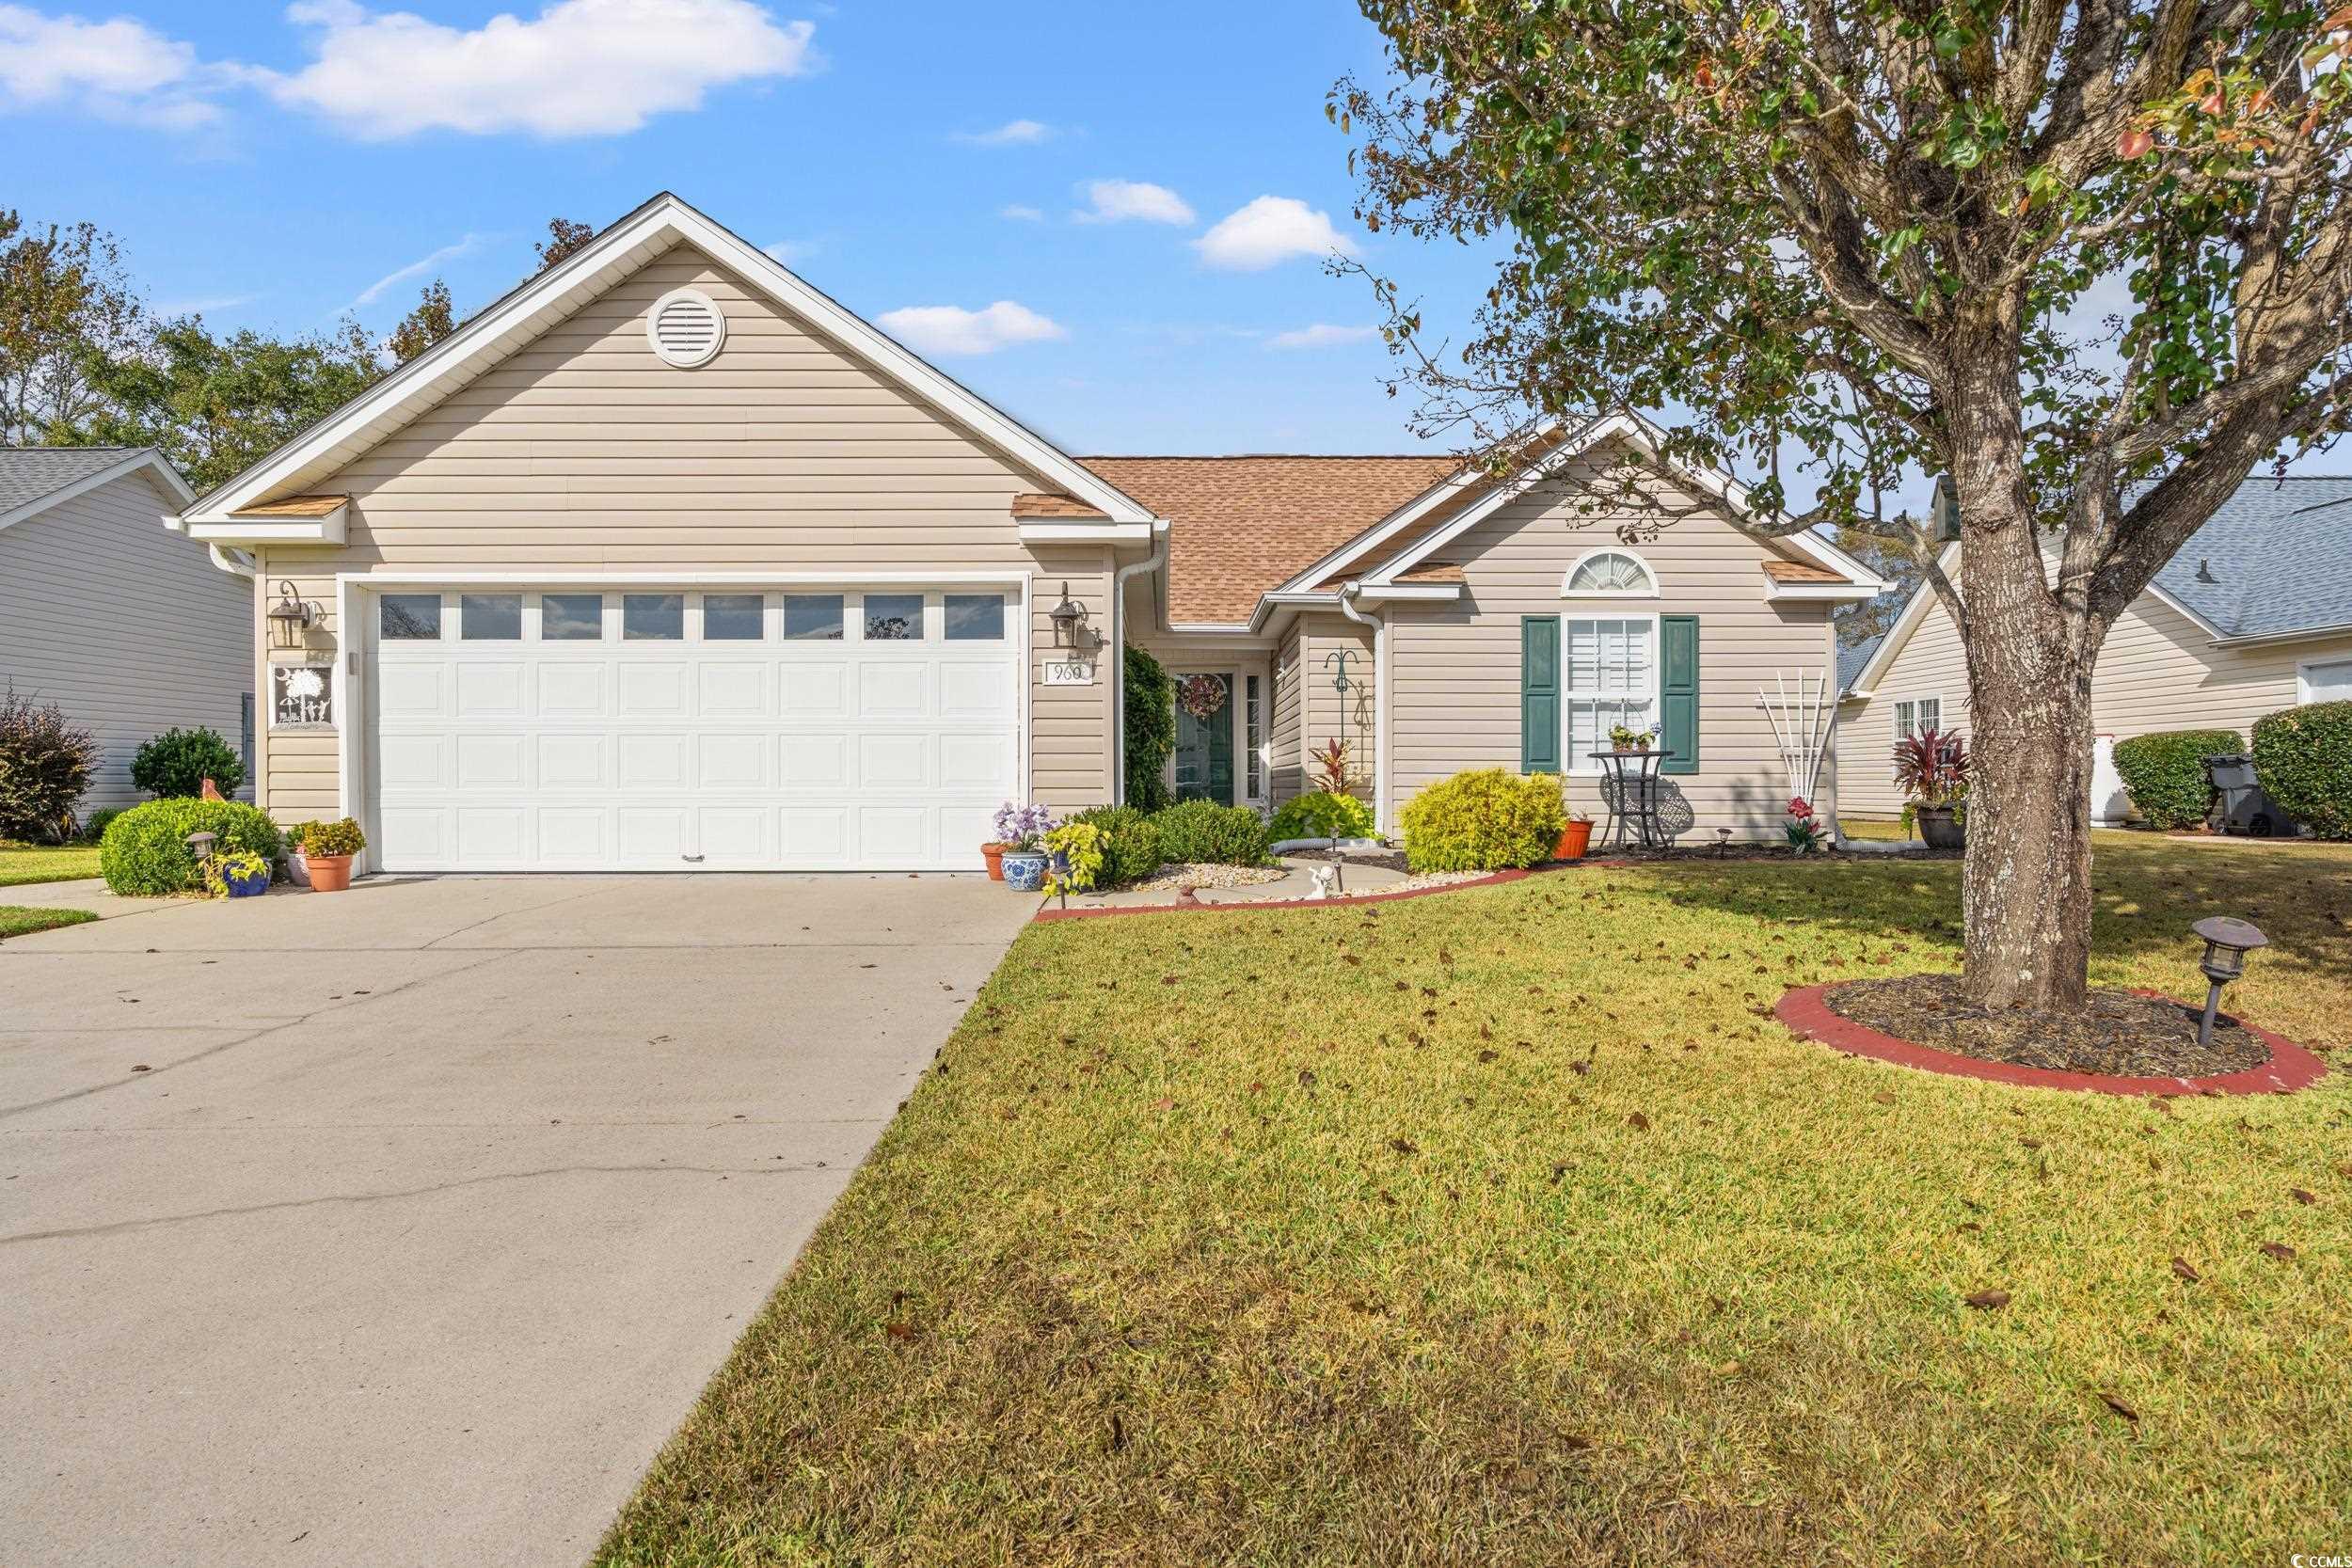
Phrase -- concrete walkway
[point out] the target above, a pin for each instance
(401, 1225)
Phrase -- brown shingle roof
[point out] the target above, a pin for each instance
(1036, 504)
(294, 506)
(1799, 571)
(1432, 571)
(1239, 526)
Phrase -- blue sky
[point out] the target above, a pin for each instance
(1100, 169)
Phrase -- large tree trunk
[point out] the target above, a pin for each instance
(2026, 884)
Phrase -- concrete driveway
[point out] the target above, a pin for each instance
(403, 1225)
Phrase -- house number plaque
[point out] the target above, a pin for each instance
(1069, 671)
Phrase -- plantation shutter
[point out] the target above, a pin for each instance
(1539, 694)
(1678, 692)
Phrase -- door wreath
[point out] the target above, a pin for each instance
(1202, 696)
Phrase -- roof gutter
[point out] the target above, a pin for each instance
(1119, 579)
(1379, 699)
(2264, 640)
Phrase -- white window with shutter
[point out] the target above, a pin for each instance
(1612, 671)
(686, 329)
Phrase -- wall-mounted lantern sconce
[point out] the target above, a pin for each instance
(1069, 618)
(2227, 942)
(290, 617)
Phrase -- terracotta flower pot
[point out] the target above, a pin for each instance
(995, 855)
(329, 873)
(1575, 838)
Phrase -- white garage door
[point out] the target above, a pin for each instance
(582, 729)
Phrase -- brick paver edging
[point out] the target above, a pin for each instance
(1339, 901)
(1805, 1011)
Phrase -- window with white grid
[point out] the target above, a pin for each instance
(1612, 679)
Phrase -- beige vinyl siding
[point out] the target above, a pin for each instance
(1285, 743)
(1325, 719)
(126, 625)
(583, 452)
(1456, 666)
(2156, 672)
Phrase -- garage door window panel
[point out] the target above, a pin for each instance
(812, 617)
(409, 618)
(733, 617)
(571, 617)
(490, 617)
(976, 617)
(653, 617)
(894, 617)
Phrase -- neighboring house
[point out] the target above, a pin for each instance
(2254, 614)
(667, 561)
(129, 630)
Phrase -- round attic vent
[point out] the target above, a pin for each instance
(686, 327)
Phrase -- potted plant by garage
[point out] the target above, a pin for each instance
(297, 867)
(1575, 837)
(328, 848)
(1024, 855)
(1931, 769)
(1016, 825)
(238, 874)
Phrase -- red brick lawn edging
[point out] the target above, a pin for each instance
(1806, 1011)
(1337, 901)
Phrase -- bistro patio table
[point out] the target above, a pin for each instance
(1633, 805)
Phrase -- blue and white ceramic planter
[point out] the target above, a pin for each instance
(1025, 870)
(251, 886)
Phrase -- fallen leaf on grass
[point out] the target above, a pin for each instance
(1404, 1145)
(900, 1331)
(2301, 1197)
(2183, 1269)
(1884, 1097)
(2116, 1403)
(2279, 1250)
(1164, 1104)
(1989, 1301)
(1639, 1122)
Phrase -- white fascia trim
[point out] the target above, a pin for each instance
(1437, 592)
(440, 577)
(146, 458)
(2188, 614)
(1087, 533)
(329, 530)
(1847, 592)
(1643, 436)
(668, 218)
(1905, 623)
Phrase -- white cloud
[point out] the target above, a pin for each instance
(1116, 200)
(119, 68)
(786, 252)
(580, 68)
(417, 268)
(1013, 133)
(1271, 229)
(170, 309)
(1020, 214)
(952, 329)
(1322, 335)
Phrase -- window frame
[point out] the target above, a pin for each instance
(1649, 574)
(702, 617)
(1915, 702)
(522, 614)
(2303, 669)
(1576, 764)
(947, 625)
(441, 616)
(923, 598)
(685, 621)
(535, 615)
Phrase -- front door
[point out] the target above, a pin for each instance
(1204, 739)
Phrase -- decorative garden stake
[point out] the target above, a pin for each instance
(2227, 942)
(1340, 683)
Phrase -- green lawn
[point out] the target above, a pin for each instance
(1499, 1228)
(16, 920)
(21, 864)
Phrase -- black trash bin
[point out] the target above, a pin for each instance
(2238, 804)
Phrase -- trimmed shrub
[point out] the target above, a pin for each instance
(1131, 845)
(146, 854)
(1319, 814)
(2165, 772)
(2303, 760)
(45, 765)
(94, 826)
(175, 763)
(1202, 832)
(1483, 820)
(1149, 701)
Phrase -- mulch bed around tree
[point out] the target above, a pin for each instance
(2121, 1035)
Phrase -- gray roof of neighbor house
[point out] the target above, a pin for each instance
(1851, 660)
(2274, 560)
(28, 473)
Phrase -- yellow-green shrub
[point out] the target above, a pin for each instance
(1483, 820)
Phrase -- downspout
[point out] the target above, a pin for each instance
(1379, 626)
(1119, 579)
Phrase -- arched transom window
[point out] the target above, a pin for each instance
(1611, 572)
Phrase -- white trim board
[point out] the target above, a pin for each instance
(648, 233)
(146, 460)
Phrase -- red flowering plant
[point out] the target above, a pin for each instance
(1804, 830)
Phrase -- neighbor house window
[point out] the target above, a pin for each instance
(2324, 683)
(976, 617)
(653, 617)
(894, 617)
(1918, 715)
(732, 618)
(1612, 680)
(409, 618)
(1253, 724)
(812, 617)
(571, 617)
(1611, 572)
(490, 617)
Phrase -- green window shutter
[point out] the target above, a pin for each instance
(1539, 694)
(1678, 692)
